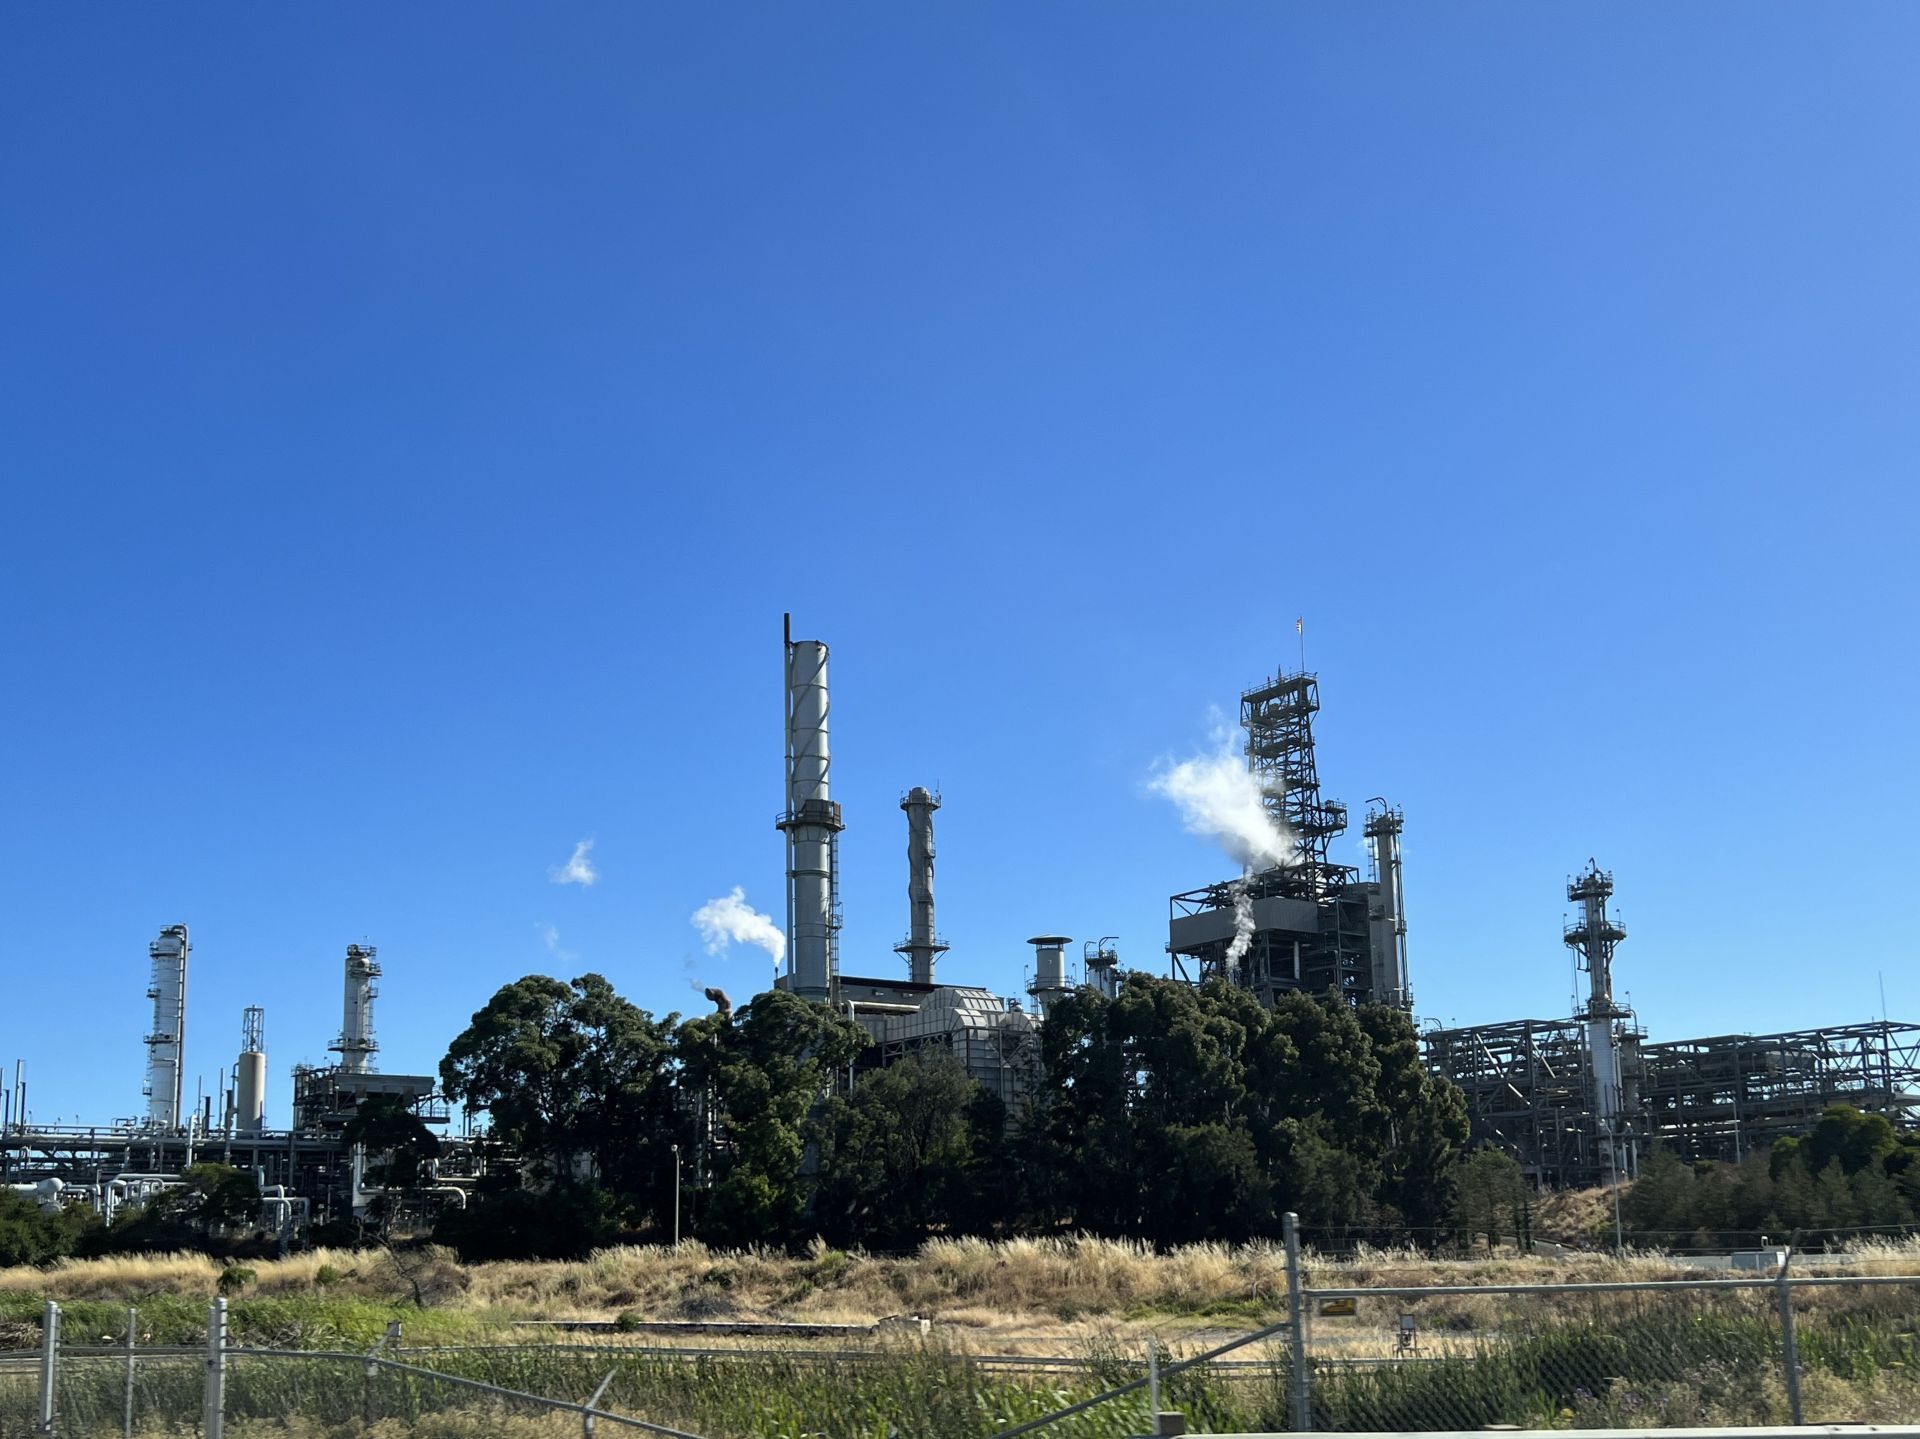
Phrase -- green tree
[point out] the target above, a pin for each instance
(1490, 1193)
(896, 1156)
(753, 1079)
(397, 1142)
(1171, 1113)
(1853, 1140)
(30, 1235)
(577, 1080)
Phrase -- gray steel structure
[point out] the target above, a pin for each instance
(1317, 925)
(811, 823)
(166, 1040)
(1529, 1086)
(923, 945)
(1725, 1097)
(356, 1045)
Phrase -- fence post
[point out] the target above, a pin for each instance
(126, 1421)
(1299, 1386)
(586, 1418)
(214, 1408)
(1789, 1347)
(49, 1364)
(1153, 1383)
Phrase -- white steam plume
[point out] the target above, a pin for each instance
(730, 919)
(579, 868)
(1242, 923)
(1219, 797)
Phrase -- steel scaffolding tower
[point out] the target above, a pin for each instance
(1278, 719)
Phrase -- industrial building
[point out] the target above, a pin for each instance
(306, 1171)
(996, 1040)
(1311, 924)
(1576, 1100)
(1581, 1100)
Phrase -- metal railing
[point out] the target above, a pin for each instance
(157, 1384)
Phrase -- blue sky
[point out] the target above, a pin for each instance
(415, 422)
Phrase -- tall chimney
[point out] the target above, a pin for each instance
(1049, 969)
(922, 945)
(811, 823)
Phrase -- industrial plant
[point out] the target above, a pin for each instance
(1576, 1100)
(307, 1171)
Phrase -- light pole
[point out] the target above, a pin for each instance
(676, 1196)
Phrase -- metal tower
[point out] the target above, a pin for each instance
(812, 825)
(1389, 918)
(166, 1040)
(1592, 938)
(250, 1072)
(1101, 963)
(356, 1044)
(923, 945)
(1278, 719)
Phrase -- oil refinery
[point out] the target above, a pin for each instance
(1576, 1100)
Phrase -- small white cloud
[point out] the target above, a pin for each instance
(579, 867)
(550, 937)
(730, 919)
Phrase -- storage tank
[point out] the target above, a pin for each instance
(250, 1073)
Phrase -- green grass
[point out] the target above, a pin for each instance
(1652, 1363)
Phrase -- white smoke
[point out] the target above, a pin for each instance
(579, 868)
(1242, 923)
(730, 919)
(1220, 798)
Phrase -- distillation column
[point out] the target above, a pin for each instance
(811, 823)
(250, 1073)
(356, 1044)
(1592, 938)
(166, 1041)
(922, 945)
(1389, 921)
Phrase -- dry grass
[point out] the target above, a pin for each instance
(1061, 1286)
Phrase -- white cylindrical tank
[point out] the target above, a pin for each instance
(1049, 970)
(250, 1092)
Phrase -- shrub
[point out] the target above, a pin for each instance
(236, 1277)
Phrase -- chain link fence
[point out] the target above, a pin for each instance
(1729, 1352)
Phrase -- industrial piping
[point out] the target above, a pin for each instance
(922, 945)
(811, 823)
